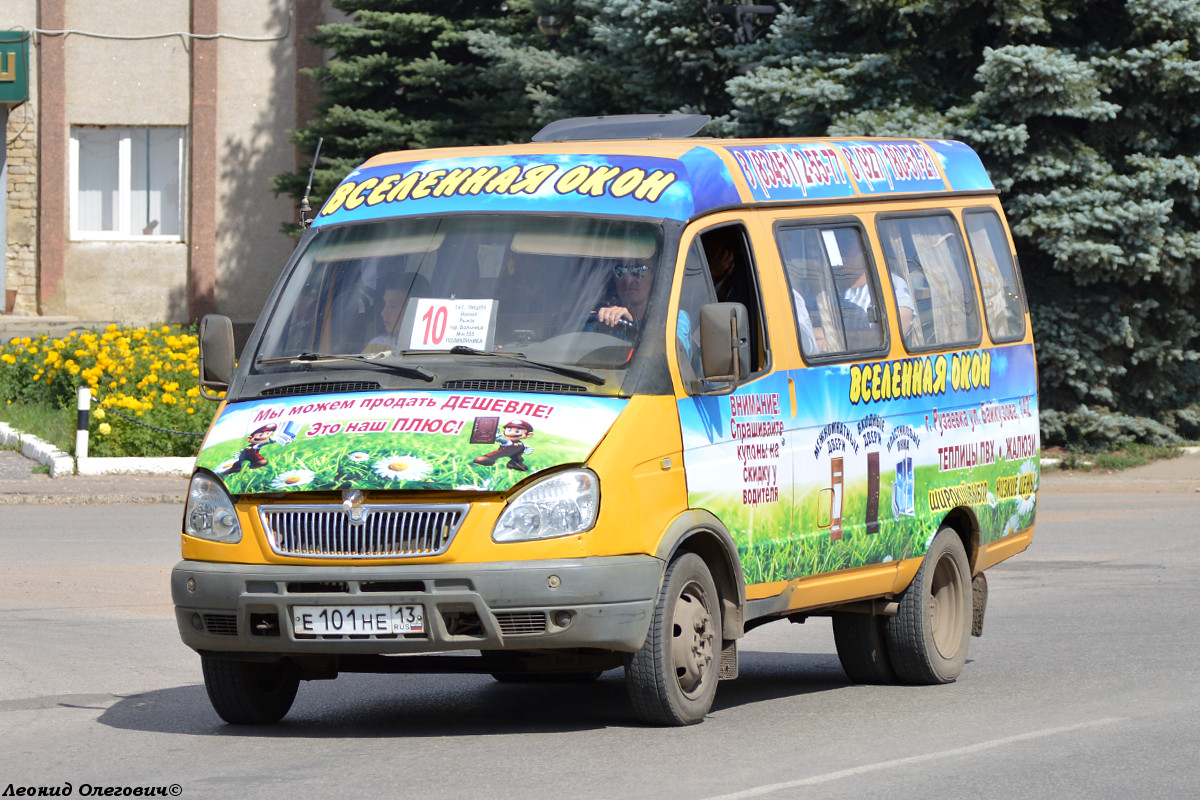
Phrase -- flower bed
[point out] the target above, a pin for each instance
(137, 375)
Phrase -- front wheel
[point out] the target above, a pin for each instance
(250, 692)
(927, 640)
(672, 679)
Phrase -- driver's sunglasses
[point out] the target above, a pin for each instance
(636, 270)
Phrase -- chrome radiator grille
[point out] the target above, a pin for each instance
(381, 531)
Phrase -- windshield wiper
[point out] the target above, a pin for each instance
(374, 360)
(514, 358)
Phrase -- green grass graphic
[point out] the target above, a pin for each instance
(776, 545)
(347, 461)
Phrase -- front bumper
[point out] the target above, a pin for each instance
(602, 602)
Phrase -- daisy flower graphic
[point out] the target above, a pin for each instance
(292, 478)
(1010, 527)
(1025, 505)
(402, 468)
(358, 457)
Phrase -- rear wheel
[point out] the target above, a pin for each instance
(862, 648)
(248, 692)
(927, 640)
(672, 679)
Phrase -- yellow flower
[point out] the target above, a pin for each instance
(99, 413)
(105, 429)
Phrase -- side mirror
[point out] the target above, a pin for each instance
(216, 361)
(725, 342)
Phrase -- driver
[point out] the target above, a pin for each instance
(632, 279)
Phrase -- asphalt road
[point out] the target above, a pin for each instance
(1083, 685)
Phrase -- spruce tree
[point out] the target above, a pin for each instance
(1083, 111)
(402, 76)
(613, 57)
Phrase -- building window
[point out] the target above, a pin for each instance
(127, 183)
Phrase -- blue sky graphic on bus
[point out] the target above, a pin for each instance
(831, 170)
(962, 166)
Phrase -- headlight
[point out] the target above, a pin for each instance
(560, 505)
(210, 513)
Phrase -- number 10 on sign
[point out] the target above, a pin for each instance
(441, 324)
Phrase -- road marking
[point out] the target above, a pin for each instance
(759, 791)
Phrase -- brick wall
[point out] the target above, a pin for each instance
(20, 256)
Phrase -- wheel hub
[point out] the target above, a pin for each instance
(946, 608)
(692, 640)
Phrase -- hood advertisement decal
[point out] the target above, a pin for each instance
(401, 440)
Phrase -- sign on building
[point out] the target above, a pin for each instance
(14, 67)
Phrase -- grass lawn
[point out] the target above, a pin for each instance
(1125, 457)
(53, 425)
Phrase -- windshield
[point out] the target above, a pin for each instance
(569, 290)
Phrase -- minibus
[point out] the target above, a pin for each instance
(612, 399)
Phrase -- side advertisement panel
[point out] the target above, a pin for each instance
(880, 451)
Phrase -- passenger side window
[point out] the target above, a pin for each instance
(928, 266)
(834, 297)
(1003, 301)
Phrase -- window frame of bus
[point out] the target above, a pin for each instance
(841, 221)
(1012, 257)
(758, 316)
(968, 274)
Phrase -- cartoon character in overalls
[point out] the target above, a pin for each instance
(250, 453)
(512, 446)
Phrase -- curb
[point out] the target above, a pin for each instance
(32, 447)
(61, 463)
(167, 465)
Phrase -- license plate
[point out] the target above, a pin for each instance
(357, 620)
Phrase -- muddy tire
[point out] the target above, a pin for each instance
(250, 693)
(927, 640)
(672, 679)
(862, 648)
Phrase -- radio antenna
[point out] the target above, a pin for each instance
(304, 207)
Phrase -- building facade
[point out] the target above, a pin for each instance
(138, 171)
